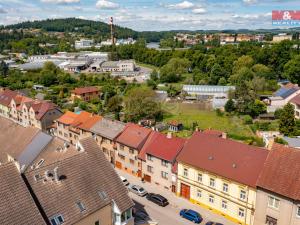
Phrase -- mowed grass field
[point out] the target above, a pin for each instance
(190, 113)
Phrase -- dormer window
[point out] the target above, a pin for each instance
(57, 220)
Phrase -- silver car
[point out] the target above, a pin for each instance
(140, 191)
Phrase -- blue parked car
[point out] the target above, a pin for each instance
(191, 215)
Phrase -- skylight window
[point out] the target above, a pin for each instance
(57, 220)
(81, 206)
(102, 195)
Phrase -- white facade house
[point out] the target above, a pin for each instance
(83, 43)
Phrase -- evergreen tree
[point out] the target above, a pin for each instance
(287, 120)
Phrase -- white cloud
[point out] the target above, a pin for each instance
(199, 10)
(181, 5)
(249, 1)
(60, 1)
(104, 4)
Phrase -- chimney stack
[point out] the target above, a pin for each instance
(56, 177)
(169, 135)
(224, 135)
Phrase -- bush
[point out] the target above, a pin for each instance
(280, 141)
(219, 112)
(247, 119)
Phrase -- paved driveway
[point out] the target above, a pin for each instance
(168, 215)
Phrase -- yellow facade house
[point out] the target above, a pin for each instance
(220, 174)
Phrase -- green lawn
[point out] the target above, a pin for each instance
(187, 114)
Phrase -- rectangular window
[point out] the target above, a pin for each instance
(164, 163)
(241, 212)
(273, 202)
(57, 220)
(211, 199)
(199, 178)
(149, 157)
(225, 187)
(243, 195)
(164, 174)
(97, 222)
(224, 204)
(185, 172)
(150, 169)
(199, 193)
(131, 161)
(122, 157)
(298, 211)
(131, 151)
(212, 182)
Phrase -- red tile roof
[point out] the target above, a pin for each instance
(162, 147)
(281, 172)
(83, 90)
(296, 100)
(84, 120)
(213, 132)
(134, 136)
(41, 108)
(6, 96)
(227, 158)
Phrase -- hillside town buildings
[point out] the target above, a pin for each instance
(85, 94)
(57, 183)
(27, 111)
(71, 127)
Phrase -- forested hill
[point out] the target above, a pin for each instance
(88, 27)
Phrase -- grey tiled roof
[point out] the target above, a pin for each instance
(17, 206)
(108, 128)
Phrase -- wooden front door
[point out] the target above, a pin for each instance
(185, 191)
(118, 165)
(147, 178)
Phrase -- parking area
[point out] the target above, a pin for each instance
(169, 214)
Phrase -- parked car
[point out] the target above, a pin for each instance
(157, 199)
(138, 190)
(191, 215)
(213, 223)
(124, 180)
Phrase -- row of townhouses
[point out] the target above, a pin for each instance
(27, 111)
(43, 180)
(246, 184)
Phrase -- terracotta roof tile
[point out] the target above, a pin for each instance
(230, 159)
(22, 137)
(83, 120)
(6, 96)
(134, 136)
(281, 172)
(83, 90)
(296, 100)
(83, 175)
(162, 147)
(17, 205)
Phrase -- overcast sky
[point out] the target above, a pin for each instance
(152, 14)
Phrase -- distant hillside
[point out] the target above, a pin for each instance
(88, 27)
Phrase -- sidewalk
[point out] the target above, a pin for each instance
(176, 203)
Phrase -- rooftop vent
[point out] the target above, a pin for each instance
(210, 157)
(234, 165)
